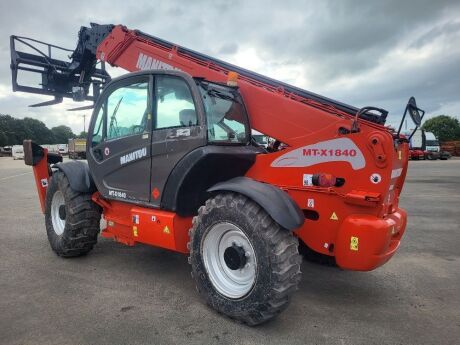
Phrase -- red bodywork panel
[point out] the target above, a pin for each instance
(41, 177)
(359, 223)
(128, 224)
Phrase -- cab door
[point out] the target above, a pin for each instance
(178, 126)
(119, 153)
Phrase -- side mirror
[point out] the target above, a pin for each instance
(416, 115)
(414, 112)
(33, 153)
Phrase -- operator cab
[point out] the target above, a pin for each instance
(145, 123)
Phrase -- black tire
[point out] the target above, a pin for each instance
(276, 250)
(82, 219)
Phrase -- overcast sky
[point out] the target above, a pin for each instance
(360, 52)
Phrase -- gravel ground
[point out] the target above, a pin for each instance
(144, 295)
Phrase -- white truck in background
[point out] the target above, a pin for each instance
(17, 152)
(425, 145)
(63, 149)
(431, 148)
(51, 147)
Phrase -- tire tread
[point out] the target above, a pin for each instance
(82, 224)
(284, 257)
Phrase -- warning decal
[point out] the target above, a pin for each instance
(335, 150)
(334, 216)
(354, 242)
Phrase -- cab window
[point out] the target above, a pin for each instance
(98, 130)
(225, 114)
(127, 110)
(174, 103)
(124, 112)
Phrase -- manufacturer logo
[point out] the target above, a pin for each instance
(132, 156)
(147, 62)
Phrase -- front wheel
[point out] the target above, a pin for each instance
(244, 264)
(72, 219)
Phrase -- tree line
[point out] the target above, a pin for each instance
(445, 128)
(13, 131)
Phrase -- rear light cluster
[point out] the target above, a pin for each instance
(327, 180)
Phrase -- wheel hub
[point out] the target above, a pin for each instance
(234, 257)
(58, 214)
(62, 212)
(229, 260)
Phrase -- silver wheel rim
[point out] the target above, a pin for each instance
(56, 203)
(232, 283)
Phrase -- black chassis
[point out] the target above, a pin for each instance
(178, 173)
(185, 171)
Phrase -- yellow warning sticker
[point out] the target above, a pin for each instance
(166, 230)
(334, 216)
(135, 231)
(354, 241)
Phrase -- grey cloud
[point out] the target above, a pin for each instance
(228, 49)
(325, 41)
(439, 30)
(350, 36)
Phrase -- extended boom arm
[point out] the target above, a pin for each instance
(277, 109)
(60, 78)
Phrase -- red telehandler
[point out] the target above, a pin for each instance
(171, 163)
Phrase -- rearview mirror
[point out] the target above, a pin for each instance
(33, 153)
(414, 112)
(416, 115)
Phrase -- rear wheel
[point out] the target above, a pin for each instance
(244, 264)
(72, 219)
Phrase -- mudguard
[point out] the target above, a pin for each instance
(278, 204)
(77, 173)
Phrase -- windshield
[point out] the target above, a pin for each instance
(432, 143)
(260, 139)
(226, 116)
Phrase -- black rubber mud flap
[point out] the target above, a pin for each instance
(276, 202)
(78, 174)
